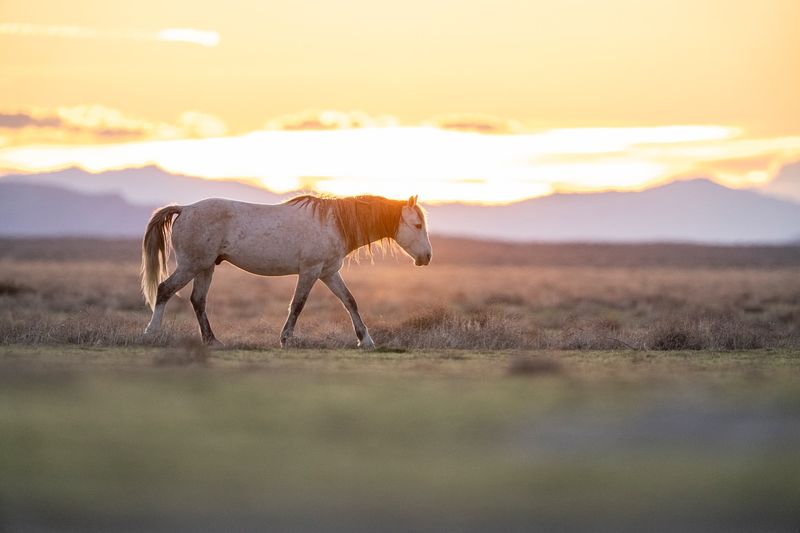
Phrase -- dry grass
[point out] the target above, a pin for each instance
(535, 297)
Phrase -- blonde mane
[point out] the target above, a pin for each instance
(361, 220)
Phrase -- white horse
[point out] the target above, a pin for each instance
(307, 235)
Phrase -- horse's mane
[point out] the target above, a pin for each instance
(359, 219)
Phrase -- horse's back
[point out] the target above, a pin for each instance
(215, 222)
(260, 238)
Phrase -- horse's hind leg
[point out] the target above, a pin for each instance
(199, 291)
(166, 289)
(305, 281)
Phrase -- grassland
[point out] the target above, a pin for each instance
(515, 389)
(473, 296)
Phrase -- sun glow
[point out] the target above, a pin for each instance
(443, 165)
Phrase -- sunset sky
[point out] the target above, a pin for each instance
(453, 100)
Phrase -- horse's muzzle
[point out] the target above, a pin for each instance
(423, 260)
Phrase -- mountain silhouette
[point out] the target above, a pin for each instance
(118, 203)
(148, 186)
(40, 211)
(696, 210)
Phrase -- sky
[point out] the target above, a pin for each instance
(476, 101)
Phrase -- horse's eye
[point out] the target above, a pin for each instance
(418, 226)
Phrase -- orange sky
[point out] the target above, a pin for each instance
(105, 84)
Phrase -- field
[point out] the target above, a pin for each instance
(514, 388)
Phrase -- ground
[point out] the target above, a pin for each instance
(515, 388)
(179, 438)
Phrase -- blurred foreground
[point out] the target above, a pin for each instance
(179, 439)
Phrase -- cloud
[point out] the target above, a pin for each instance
(352, 152)
(24, 120)
(103, 121)
(189, 35)
(332, 119)
(200, 125)
(87, 124)
(744, 164)
(474, 122)
(743, 171)
(329, 120)
(205, 38)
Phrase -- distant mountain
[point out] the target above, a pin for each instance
(687, 211)
(786, 183)
(38, 211)
(692, 211)
(148, 186)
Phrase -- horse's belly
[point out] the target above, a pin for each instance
(263, 266)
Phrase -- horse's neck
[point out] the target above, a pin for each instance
(353, 232)
(351, 247)
(374, 236)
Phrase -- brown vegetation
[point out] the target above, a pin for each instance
(481, 296)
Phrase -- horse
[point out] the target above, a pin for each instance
(307, 235)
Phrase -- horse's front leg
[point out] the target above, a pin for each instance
(337, 286)
(305, 281)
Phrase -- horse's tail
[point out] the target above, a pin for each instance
(155, 251)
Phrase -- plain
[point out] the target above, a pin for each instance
(581, 387)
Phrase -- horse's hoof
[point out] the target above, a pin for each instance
(366, 344)
(215, 344)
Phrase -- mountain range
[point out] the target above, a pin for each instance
(149, 186)
(73, 202)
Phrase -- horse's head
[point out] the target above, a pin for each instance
(412, 233)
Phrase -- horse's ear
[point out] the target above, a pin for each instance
(416, 199)
(412, 201)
